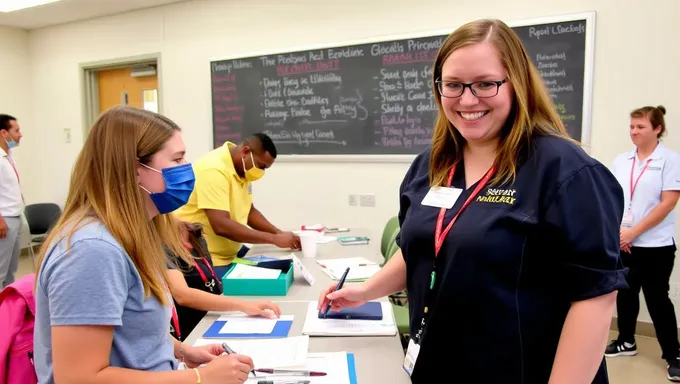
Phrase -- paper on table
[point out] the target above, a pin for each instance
(268, 353)
(243, 271)
(300, 267)
(337, 327)
(334, 364)
(247, 326)
(360, 268)
(226, 316)
(355, 273)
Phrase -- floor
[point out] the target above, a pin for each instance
(645, 368)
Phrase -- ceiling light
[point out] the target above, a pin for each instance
(15, 5)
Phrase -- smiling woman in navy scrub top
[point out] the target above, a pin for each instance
(512, 272)
(650, 177)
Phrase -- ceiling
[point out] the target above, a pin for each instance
(67, 11)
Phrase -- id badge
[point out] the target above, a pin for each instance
(442, 197)
(411, 356)
(627, 219)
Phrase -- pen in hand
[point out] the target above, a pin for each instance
(230, 351)
(337, 288)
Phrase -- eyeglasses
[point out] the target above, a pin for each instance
(481, 89)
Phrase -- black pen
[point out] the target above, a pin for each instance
(230, 351)
(337, 288)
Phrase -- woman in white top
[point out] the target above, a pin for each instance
(650, 177)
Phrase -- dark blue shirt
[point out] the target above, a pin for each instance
(512, 264)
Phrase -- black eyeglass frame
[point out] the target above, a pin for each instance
(469, 85)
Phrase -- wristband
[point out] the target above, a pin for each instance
(198, 376)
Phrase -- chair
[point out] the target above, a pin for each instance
(40, 218)
(389, 234)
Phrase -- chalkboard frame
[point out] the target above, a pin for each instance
(588, 16)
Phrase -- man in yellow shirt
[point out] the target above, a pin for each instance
(222, 200)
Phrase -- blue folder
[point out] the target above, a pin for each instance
(369, 311)
(352, 369)
(280, 330)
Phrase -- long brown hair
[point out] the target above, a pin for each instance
(533, 111)
(104, 187)
(655, 116)
(194, 233)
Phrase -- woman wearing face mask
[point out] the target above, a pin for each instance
(650, 177)
(512, 268)
(103, 265)
(196, 288)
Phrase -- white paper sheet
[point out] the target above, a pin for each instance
(242, 271)
(360, 268)
(226, 316)
(334, 364)
(338, 327)
(268, 353)
(248, 326)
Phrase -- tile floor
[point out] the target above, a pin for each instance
(645, 368)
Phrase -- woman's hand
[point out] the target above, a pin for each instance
(262, 308)
(227, 369)
(627, 235)
(349, 296)
(195, 356)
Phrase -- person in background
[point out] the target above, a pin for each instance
(650, 177)
(196, 288)
(102, 301)
(512, 271)
(223, 203)
(11, 201)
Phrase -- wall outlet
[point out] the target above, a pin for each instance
(353, 200)
(367, 200)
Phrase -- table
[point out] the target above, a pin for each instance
(378, 359)
(300, 289)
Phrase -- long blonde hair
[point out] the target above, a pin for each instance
(532, 113)
(104, 187)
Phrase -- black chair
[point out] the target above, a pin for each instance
(40, 218)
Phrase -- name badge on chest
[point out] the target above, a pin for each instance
(411, 357)
(442, 197)
(627, 219)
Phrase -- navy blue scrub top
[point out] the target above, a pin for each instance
(513, 262)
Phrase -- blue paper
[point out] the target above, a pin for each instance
(280, 330)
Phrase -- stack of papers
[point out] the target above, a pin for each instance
(243, 271)
(359, 268)
(336, 366)
(337, 327)
(268, 353)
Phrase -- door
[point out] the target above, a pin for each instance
(117, 86)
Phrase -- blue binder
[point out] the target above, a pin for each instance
(280, 330)
(369, 311)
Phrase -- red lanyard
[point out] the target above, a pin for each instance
(438, 235)
(200, 271)
(175, 322)
(633, 186)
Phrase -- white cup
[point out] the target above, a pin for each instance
(308, 241)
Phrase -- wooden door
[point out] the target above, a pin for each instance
(117, 86)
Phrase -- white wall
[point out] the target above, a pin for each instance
(636, 64)
(15, 100)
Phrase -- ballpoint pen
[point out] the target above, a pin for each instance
(337, 288)
(290, 372)
(283, 382)
(230, 351)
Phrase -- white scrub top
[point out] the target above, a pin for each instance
(660, 172)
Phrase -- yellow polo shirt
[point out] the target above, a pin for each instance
(218, 187)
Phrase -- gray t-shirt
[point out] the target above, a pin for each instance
(96, 283)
